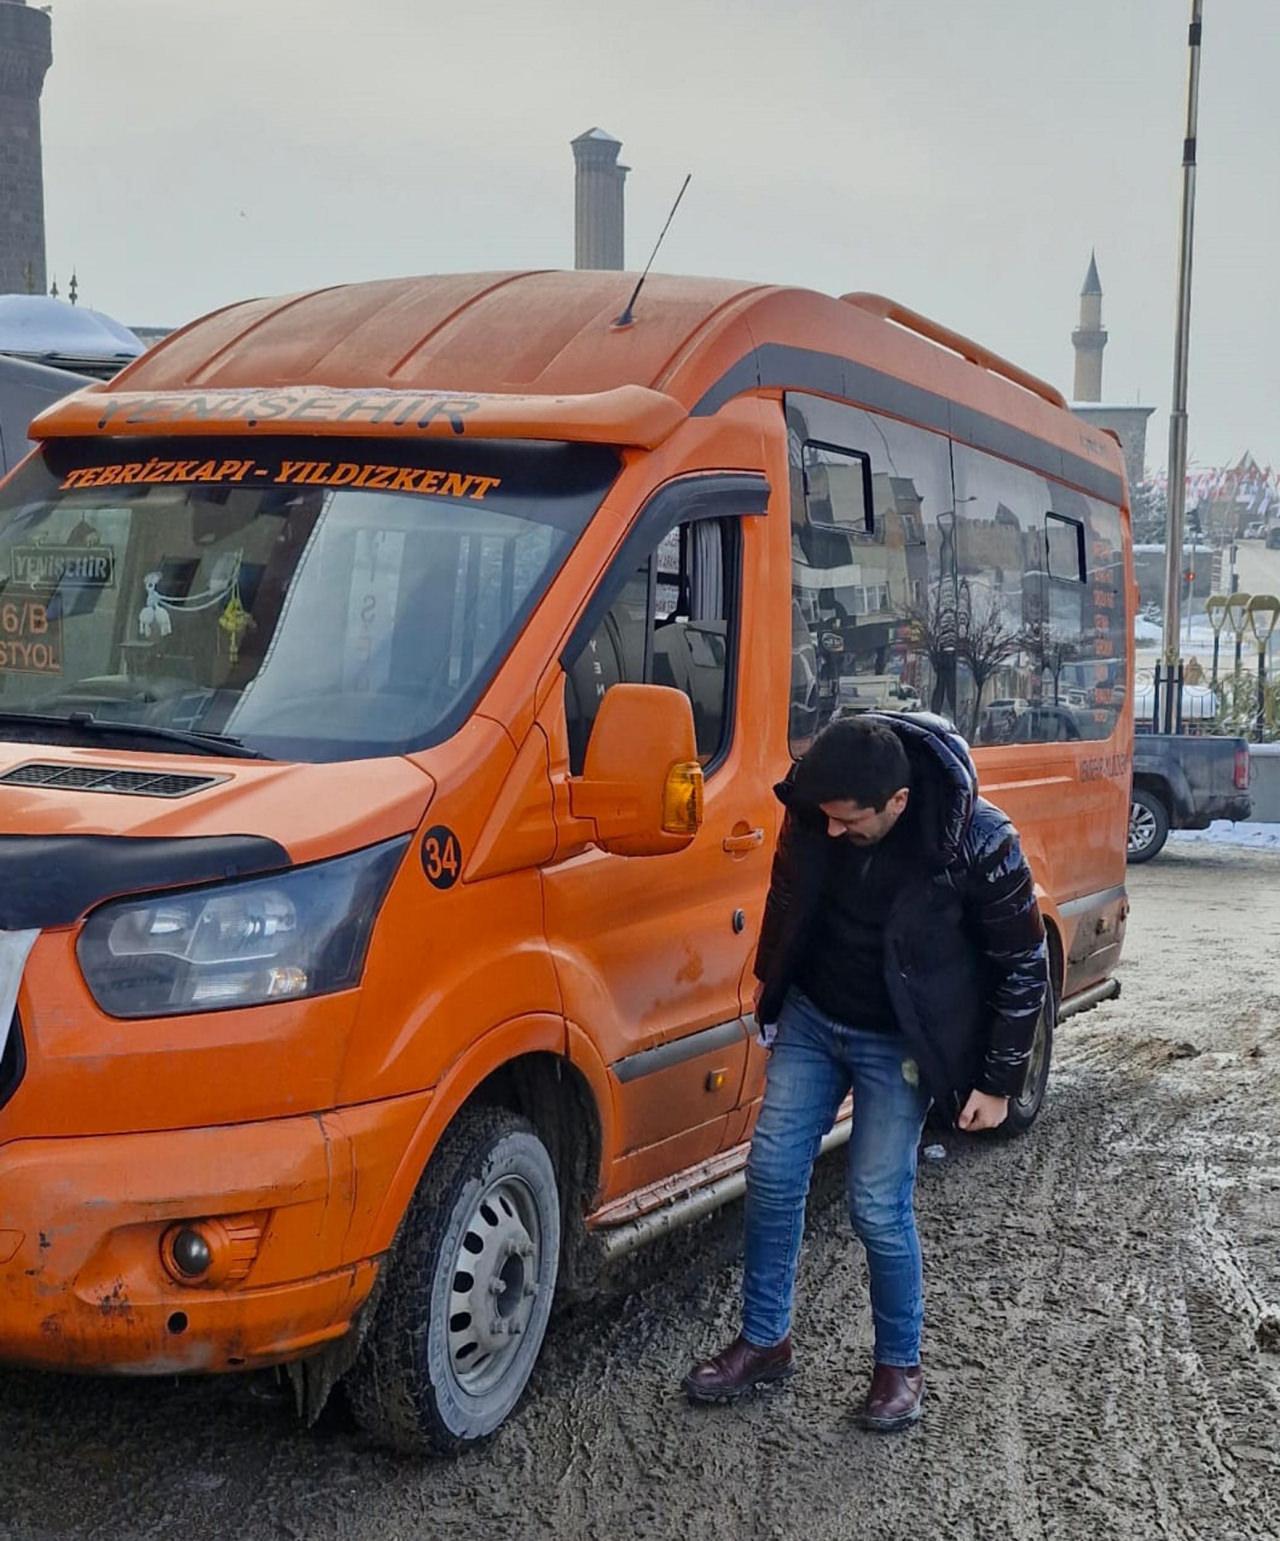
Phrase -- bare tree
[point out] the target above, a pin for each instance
(986, 644)
(933, 629)
(1050, 651)
(949, 626)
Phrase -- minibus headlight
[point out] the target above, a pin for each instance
(295, 933)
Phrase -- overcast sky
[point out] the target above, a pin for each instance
(960, 155)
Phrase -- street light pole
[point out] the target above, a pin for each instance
(1215, 608)
(1178, 416)
(1264, 612)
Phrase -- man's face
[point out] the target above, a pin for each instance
(864, 826)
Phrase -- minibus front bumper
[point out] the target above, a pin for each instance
(88, 1276)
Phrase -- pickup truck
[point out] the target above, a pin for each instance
(1184, 781)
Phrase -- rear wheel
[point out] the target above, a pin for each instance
(461, 1319)
(1148, 825)
(1024, 1109)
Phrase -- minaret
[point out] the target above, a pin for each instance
(1089, 339)
(598, 201)
(1129, 424)
(26, 51)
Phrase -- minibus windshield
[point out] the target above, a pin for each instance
(307, 599)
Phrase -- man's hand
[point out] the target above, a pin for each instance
(983, 1111)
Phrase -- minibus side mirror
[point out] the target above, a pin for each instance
(641, 784)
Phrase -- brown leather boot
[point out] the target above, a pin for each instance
(895, 1399)
(738, 1369)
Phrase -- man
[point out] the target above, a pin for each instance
(902, 955)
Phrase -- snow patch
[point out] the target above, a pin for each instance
(1220, 832)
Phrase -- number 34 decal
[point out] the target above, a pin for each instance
(441, 856)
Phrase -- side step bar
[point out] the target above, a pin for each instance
(617, 1241)
(620, 1240)
(1108, 990)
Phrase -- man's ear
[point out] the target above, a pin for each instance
(901, 798)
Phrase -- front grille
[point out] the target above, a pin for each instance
(89, 778)
(13, 1062)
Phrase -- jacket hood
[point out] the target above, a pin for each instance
(944, 781)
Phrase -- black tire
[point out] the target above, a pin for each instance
(1024, 1109)
(1148, 825)
(482, 1233)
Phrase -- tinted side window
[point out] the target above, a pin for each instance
(977, 589)
(1097, 679)
(1037, 571)
(674, 623)
(861, 578)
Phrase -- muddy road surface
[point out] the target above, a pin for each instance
(1103, 1346)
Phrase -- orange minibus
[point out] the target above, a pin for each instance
(393, 683)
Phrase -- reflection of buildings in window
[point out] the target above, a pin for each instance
(899, 521)
(997, 544)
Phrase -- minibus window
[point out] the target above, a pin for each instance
(978, 589)
(673, 623)
(314, 599)
(1046, 565)
(862, 518)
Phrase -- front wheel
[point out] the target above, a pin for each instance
(1148, 825)
(1024, 1109)
(461, 1319)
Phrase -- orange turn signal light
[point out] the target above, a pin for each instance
(682, 799)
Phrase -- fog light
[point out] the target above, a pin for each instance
(212, 1252)
(192, 1253)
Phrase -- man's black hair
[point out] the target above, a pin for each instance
(853, 760)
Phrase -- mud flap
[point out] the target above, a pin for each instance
(314, 1378)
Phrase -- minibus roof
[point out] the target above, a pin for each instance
(539, 353)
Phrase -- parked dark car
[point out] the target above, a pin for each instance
(1045, 725)
(1184, 781)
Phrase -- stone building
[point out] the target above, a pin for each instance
(26, 51)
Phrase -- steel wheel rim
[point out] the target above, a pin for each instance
(1142, 827)
(493, 1288)
(1030, 1092)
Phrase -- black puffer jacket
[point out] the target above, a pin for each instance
(965, 956)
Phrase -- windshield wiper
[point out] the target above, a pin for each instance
(86, 723)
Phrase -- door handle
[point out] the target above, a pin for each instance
(742, 841)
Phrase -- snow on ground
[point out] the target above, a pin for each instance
(1198, 640)
(1220, 832)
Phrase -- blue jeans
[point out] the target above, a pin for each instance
(814, 1062)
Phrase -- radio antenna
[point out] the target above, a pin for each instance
(626, 318)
